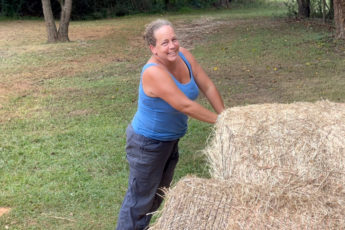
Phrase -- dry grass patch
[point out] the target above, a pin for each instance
(4, 211)
(20, 33)
(32, 33)
(25, 42)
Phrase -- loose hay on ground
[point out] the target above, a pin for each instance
(276, 166)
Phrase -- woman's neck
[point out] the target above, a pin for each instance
(170, 65)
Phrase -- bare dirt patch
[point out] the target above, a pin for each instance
(191, 33)
(4, 211)
(89, 33)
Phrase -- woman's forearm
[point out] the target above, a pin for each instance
(213, 96)
(197, 111)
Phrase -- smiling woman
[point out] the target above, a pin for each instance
(169, 85)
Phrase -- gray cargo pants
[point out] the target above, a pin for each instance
(151, 166)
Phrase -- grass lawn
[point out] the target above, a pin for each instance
(64, 107)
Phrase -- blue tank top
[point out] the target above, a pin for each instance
(155, 118)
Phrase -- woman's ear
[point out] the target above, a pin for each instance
(153, 50)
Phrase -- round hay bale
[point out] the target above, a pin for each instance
(210, 204)
(299, 146)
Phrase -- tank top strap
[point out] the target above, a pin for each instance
(187, 62)
(147, 66)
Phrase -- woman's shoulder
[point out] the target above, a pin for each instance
(188, 55)
(185, 52)
(154, 69)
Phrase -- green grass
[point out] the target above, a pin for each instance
(64, 108)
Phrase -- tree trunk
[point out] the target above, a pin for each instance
(224, 3)
(49, 19)
(146, 5)
(66, 9)
(324, 11)
(303, 8)
(167, 4)
(331, 10)
(134, 5)
(61, 34)
(339, 18)
(3, 6)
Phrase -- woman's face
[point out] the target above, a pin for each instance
(167, 45)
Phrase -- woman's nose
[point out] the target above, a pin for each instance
(171, 45)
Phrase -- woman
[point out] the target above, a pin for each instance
(169, 84)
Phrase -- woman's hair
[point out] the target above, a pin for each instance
(152, 27)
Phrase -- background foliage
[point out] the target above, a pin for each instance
(90, 9)
(97, 9)
(315, 8)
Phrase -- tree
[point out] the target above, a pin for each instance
(324, 11)
(167, 4)
(54, 34)
(303, 8)
(331, 10)
(221, 4)
(339, 18)
(224, 3)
